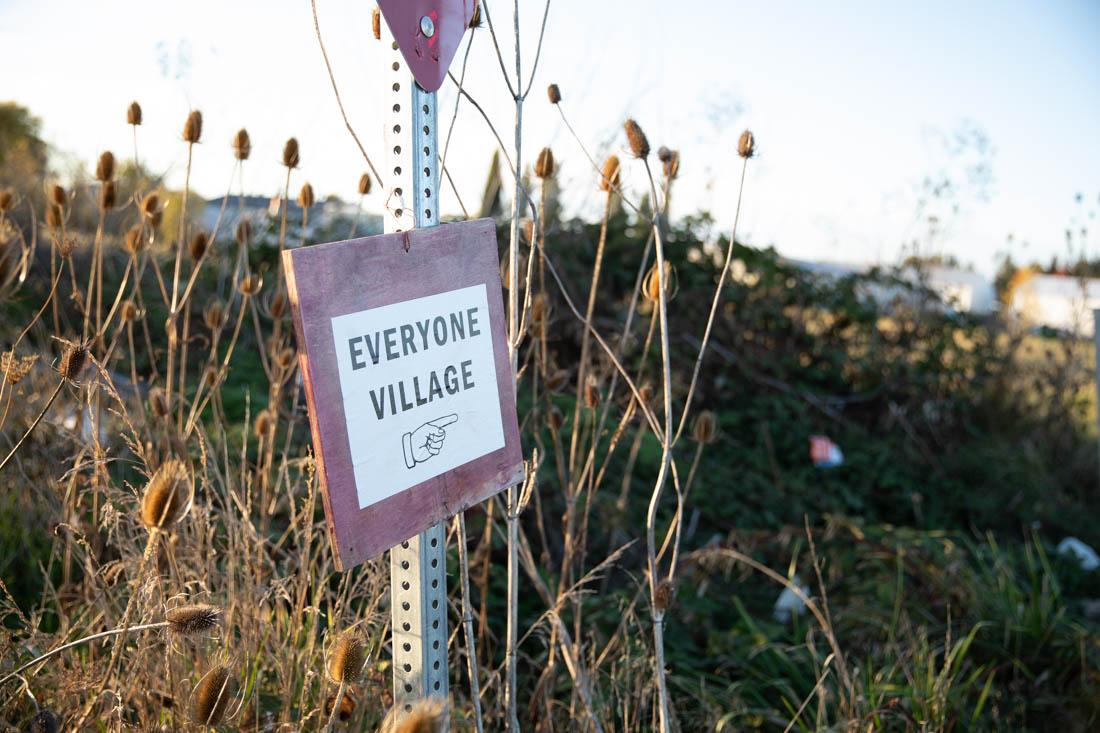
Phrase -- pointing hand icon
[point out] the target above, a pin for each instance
(426, 441)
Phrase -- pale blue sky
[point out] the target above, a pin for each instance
(851, 103)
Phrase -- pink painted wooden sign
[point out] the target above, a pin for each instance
(403, 350)
(428, 33)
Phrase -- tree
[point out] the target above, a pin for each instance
(23, 153)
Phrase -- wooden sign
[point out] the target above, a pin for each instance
(428, 33)
(402, 345)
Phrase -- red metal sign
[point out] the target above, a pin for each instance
(412, 406)
(428, 33)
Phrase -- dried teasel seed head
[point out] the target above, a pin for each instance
(705, 427)
(264, 424)
(213, 694)
(672, 165)
(66, 247)
(133, 114)
(646, 392)
(609, 178)
(193, 620)
(108, 195)
(285, 359)
(150, 204)
(242, 145)
(158, 402)
(426, 716)
(73, 362)
(251, 284)
(376, 24)
(278, 305)
(6, 198)
(130, 311)
(639, 144)
(554, 418)
(244, 232)
(105, 166)
(198, 246)
(305, 196)
(291, 157)
(652, 284)
(746, 145)
(544, 164)
(540, 310)
(347, 707)
(214, 315)
(167, 496)
(553, 93)
(58, 195)
(556, 380)
(54, 215)
(364, 184)
(591, 393)
(192, 128)
(135, 239)
(664, 594)
(45, 722)
(348, 656)
(664, 154)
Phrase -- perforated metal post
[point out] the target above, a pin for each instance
(418, 573)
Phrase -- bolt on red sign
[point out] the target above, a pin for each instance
(428, 33)
(411, 396)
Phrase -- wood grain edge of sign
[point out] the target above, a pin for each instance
(307, 380)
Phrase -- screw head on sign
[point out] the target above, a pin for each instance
(428, 33)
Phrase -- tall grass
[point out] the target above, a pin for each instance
(666, 376)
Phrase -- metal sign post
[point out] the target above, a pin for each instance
(418, 574)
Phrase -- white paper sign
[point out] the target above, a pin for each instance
(419, 387)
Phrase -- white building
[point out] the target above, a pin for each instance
(1063, 302)
(961, 290)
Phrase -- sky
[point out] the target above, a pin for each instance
(853, 105)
